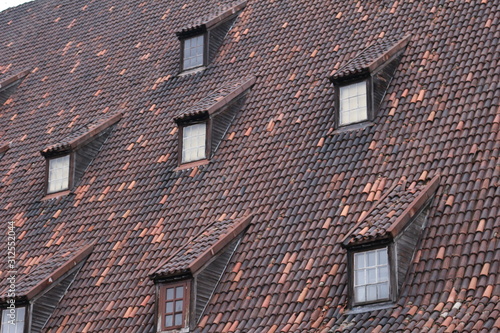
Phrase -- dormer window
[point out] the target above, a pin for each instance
(186, 280)
(353, 106)
(67, 159)
(194, 142)
(203, 126)
(361, 84)
(193, 52)
(13, 320)
(371, 276)
(381, 245)
(174, 300)
(58, 174)
(200, 42)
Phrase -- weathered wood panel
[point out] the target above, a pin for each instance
(381, 81)
(407, 242)
(216, 38)
(222, 121)
(84, 155)
(206, 281)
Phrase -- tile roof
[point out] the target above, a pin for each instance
(372, 57)
(204, 246)
(388, 216)
(214, 18)
(280, 159)
(83, 134)
(218, 99)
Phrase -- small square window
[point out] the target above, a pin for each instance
(13, 320)
(353, 103)
(173, 305)
(371, 276)
(58, 177)
(193, 52)
(194, 142)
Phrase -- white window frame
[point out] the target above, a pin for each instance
(13, 320)
(194, 147)
(192, 60)
(51, 188)
(368, 275)
(353, 103)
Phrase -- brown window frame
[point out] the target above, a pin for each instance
(185, 304)
(392, 273)
(71, 172)
(205, 50)
(208, 140)
(370, 112)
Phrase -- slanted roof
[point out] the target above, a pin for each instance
(83, 134)
(370, 58)
(43, 274)
(389, 215)
(212, 19)
(216, 100)
(202, 248)
(280, 159)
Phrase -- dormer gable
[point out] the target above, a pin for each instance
(39, 289)
(381, 245)
(187, 279)
(361, 83)
(201, 41)
(68, 158)
(202, 126)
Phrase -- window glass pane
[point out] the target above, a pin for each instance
(359, 260)
(169, 307)
(359, 278)
(178, 319)
(371, 292)
(178, 306)
(353, 103)
(58, 174)
(170, 293)
(383, 273)
(371, 275)
(193, 52)
(372, 259)
(180, 292)
(383, 290)
(169, 321)
(360, 294)
(382, 256)
(194, 139)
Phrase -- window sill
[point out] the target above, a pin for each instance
(192, 71)
(370, 307)
(353, 127)
(55, 195)
(190, 165)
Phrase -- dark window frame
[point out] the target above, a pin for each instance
(208, 139)
(392, 272)
(205, 49)
(185, 305)
(370, 111)
(71, 171)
